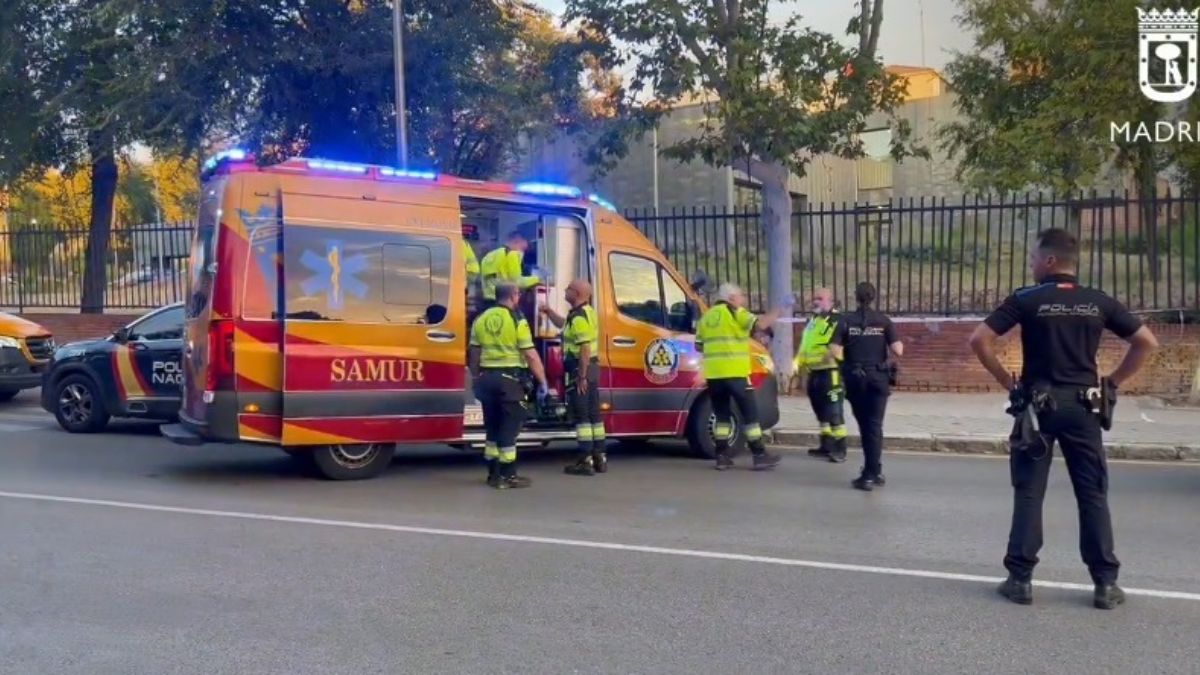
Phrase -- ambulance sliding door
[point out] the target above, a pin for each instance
(374, 346)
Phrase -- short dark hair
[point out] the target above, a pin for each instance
(865, 293)
(1059, 243)
(506, 292)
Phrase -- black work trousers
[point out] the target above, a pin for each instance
(585, 408)
(502, 396)
(1077, 432)
(867, 390)
(825, 394)
(725, 393)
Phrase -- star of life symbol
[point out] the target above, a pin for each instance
(1167, 43)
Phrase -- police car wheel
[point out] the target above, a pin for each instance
(352, 462)
(701, 426)
(7, 395)
(78, 406)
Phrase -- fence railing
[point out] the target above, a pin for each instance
(42, 267)
(947, 256)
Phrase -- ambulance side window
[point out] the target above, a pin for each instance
(416, 279)
(646, 292)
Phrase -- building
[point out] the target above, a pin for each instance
(873, 179)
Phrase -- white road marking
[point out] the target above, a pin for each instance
(578, 543)
(1146, 418)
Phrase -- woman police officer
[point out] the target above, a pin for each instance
(865, 337)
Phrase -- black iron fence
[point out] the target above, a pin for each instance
(947, 256)
(42, 267)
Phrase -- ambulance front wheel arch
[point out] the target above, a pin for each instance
(349, 461)
(701, 429)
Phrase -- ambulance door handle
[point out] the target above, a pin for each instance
(624, 342)
(439, 336)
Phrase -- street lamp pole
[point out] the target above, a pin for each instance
(401, 126)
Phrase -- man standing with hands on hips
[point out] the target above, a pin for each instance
(1061, 326)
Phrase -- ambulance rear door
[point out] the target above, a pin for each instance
(374, 339)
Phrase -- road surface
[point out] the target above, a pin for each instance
(120, 553)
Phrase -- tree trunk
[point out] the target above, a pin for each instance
(777, 225)
(104, 191)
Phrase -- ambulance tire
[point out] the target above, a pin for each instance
(7, 395)
(699, 430)
(86, 414)
(352, 462)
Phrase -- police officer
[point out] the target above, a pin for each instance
(581, 344)
(825, 391)
(862, 342)
(504, 265)
(1061, 326)
(501, 350)
(723, 337)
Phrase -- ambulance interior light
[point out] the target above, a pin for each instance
(549, 190)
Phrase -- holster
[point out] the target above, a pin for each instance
(1103, 401)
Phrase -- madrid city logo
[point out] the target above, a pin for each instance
(1167, 53)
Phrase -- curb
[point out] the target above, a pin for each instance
(974, 445)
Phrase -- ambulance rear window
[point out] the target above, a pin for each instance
(203, 263)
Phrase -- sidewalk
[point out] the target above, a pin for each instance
(976, 423)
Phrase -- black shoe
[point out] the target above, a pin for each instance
(581, 467)
(880, 481)
(493, 472)
(818, 452)
(600, 462)
(765, 460)
(837, 451)
(864, 483)
(513, 482)
(1020, 592)
(1108, 596)
(724, 462)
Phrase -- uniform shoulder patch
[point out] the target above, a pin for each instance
(1026, 290)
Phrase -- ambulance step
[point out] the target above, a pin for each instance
(181, 435)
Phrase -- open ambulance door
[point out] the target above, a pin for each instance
(374, 327)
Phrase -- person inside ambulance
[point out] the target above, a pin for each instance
(505, 265)
(581, 343)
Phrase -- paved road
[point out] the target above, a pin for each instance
(226, 560)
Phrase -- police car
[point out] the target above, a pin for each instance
(135, 372)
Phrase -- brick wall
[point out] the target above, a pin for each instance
(71, 327)
(937, 358)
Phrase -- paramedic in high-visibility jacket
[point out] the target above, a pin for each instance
(504, 266)
(581, 345)
(820, 359)
(723, 338)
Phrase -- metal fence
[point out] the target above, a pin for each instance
(947, 256)
(42, 267)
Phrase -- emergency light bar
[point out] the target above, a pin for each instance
(340, 167)
(601, 202)
(549, 190)
(389, 172)
(231, 155)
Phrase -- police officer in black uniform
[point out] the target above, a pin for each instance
(1061, 326)
(862, 343)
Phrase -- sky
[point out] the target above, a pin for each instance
(900, 43)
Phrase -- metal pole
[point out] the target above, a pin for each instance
(656, 169)
(921, 13)
(401, 126)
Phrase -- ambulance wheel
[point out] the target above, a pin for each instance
(78, 406)
(701, 427)
(352, 462)
(7, 395)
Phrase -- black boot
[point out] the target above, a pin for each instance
(864, 482)
(764, 460)
(825, 448)
(600, 460)
(509, 478)
(582, 466)
(1020, 592)
(837, 451)
(724, 459)
(493, 478)
(1108, 596)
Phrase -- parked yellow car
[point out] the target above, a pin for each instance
(25, 351)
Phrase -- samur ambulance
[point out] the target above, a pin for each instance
(327, 313)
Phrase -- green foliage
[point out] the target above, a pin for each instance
(1040, 89)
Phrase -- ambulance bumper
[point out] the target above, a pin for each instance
(180, 434)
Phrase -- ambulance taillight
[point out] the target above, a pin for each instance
(220, 356)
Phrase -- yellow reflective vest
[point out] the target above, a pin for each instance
(814, 345)
(503, 265)
(723, 337)
(501, 334)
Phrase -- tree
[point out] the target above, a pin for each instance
(1039, 93)
(93, 76)
(479, 74)
(777, 94)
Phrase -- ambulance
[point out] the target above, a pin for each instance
(328, 307)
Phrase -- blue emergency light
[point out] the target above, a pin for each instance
(339, 167)
(549, 190)
(230, 155)
(389, 172)
(602, 202)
